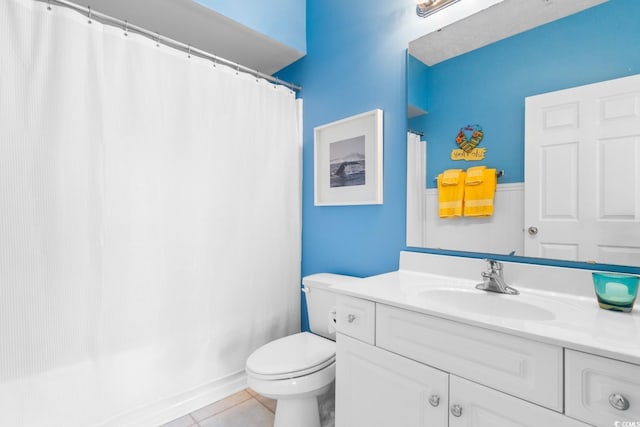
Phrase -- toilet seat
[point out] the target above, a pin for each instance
(291, 357)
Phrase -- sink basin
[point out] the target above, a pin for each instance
(487, 303)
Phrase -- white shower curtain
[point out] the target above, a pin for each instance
(149, 222)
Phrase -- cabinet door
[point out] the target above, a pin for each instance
(376, 388)
(473, 405)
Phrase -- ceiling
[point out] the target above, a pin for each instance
(191, 23)
(196, 25)
(494, 23)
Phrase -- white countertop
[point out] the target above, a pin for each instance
(567, 320)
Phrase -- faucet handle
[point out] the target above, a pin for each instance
(494, 266)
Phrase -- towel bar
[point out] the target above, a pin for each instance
(498, 175)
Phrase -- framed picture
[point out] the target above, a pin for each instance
(348, 161)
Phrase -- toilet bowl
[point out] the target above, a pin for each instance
(296, 369)
(293, 370)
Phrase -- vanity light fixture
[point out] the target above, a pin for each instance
(425, 8)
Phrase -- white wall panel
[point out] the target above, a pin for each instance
(500, 233)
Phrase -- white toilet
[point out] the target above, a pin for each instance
(295, 370)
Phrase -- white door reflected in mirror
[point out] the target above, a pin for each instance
(582, 165)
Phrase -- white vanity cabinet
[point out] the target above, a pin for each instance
(423, 371)
(376, 388)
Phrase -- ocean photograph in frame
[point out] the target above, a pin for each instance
(348, 161)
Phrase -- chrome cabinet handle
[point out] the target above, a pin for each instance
(618, 401)
(434, 400)
(456, 410)
(351, 318)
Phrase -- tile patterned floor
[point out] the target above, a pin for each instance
(243, 409)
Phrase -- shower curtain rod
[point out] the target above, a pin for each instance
(101, 17)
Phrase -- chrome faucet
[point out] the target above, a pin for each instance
(493, 280)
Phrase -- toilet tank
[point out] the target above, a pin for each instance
(321, 302)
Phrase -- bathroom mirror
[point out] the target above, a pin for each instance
(487, 87)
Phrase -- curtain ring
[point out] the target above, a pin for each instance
(48, 4)
(126, 28)
(90, 21)
(237, 69)
(157, 39)
(275, 82)
(189, 52)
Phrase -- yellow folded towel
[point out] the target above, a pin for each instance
(475, 175)
(450, 193)
(451, 176)
(479, 191)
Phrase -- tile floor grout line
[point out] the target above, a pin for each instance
(195, 422)
(268, 409)
(224, 410)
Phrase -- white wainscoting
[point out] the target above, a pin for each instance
(501, 233)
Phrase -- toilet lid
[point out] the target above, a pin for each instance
(292, 356)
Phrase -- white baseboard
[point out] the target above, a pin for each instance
(177, 406)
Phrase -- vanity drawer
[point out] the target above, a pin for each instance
(355, 317)
(592, 380)
(527, 369)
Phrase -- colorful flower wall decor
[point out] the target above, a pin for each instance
(467, 140)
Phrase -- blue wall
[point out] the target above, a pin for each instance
(356, 62)
(417, 88)
(281, 20)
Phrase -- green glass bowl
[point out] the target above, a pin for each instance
(616, 291)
